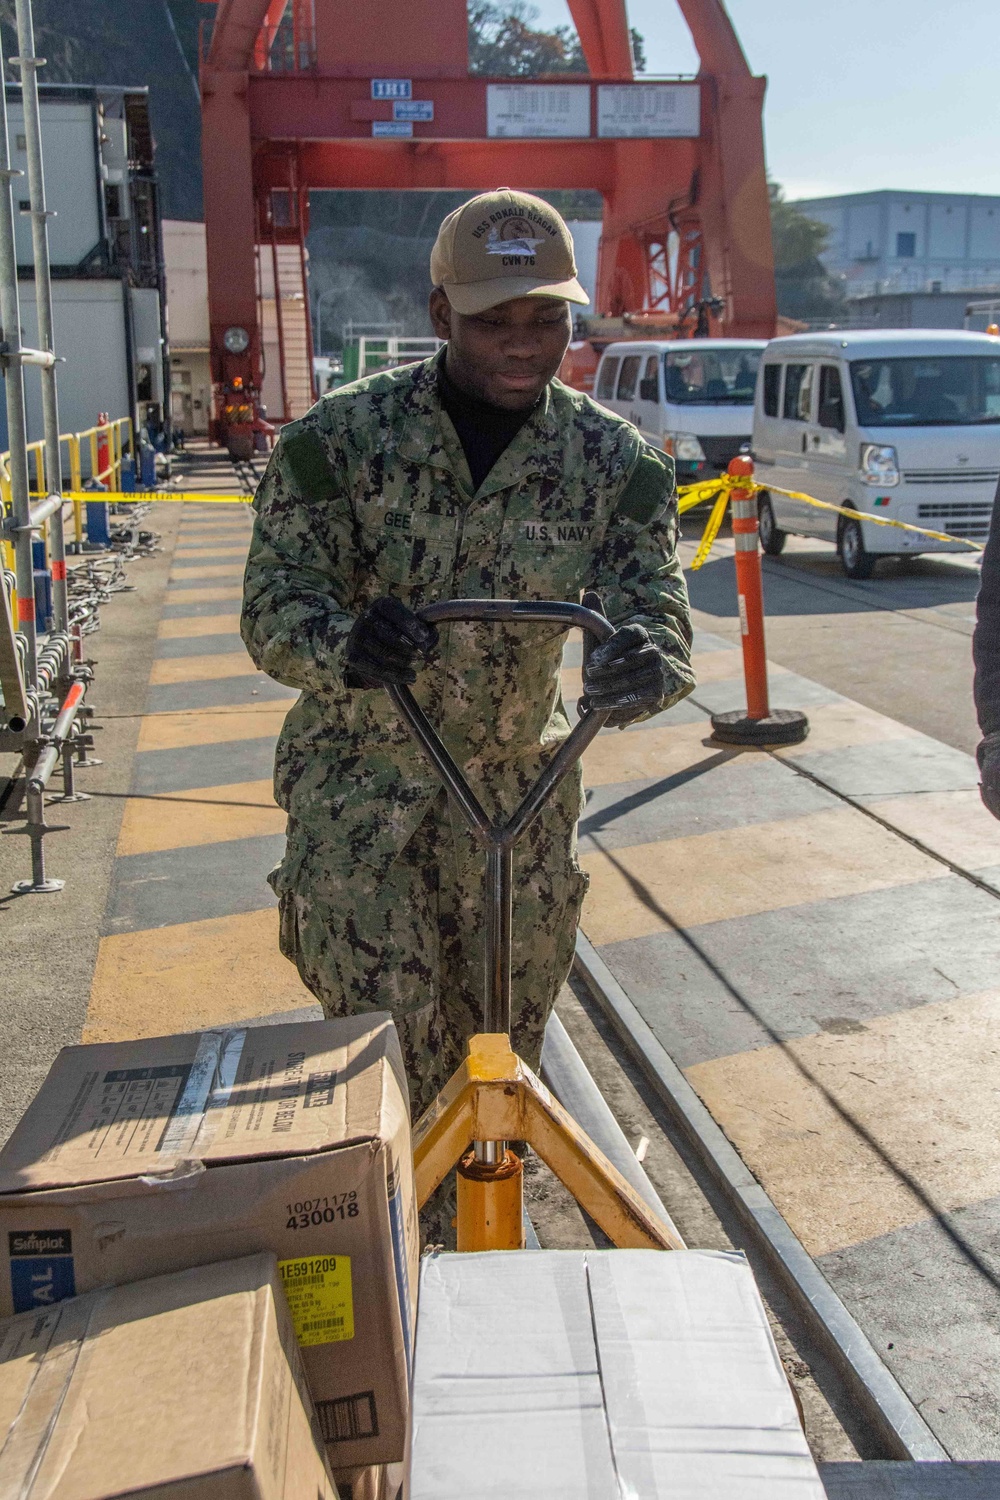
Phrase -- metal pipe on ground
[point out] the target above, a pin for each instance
(36, 827)
(879, 1398)
(567, 1075)
(15, 692)
(29, 65)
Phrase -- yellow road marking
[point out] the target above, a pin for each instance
(711, 877)
(836, 726)
(657, 752)
(177, 731)
(222, 549)
(194, 625)
(954, 824)
(921, 1083)
(190, 976)
(174, 669)
(177, 595)
(206, 815)
(208, 570)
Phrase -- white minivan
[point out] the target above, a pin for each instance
(903, 423)
(693, 398)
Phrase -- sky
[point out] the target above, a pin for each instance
(862, 95)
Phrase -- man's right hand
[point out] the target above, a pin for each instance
(988, 756)
(384, 644)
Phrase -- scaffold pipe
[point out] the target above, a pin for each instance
(29, 65)
(10, 319)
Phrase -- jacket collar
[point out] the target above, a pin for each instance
(427, 436)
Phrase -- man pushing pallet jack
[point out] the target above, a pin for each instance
(422, 542)
(474, 475)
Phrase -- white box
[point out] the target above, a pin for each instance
(557, 1374)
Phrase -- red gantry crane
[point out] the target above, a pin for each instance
(319, 94)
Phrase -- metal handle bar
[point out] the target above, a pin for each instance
(498, 839)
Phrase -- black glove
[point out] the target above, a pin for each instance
(384, 644)
(988, 756)
(625, 674)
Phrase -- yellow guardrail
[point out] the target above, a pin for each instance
(120, 441)
(185, 497)
(690, 495)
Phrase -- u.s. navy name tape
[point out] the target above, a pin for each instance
(136, 497)
(690, 495)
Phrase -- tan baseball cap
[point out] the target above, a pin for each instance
(502, 245)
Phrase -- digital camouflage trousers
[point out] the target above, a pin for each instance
(413, 944)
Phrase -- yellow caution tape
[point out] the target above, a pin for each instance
(135, 497)
(711, 531)
(690, 495)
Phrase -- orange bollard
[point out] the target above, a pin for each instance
(758, 725)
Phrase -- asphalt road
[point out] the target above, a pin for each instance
(900, 643)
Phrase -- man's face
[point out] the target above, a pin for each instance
(508, 354)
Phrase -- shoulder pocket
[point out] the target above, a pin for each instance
(308, 462)
(648, 488)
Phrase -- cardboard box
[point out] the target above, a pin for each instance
(191, 1381)
(557, 1374)
(139, 1158)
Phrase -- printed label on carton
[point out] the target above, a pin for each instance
(318, 1289)
(41, 1267)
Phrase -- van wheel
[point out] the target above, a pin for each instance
(771, 539)
(855, 561)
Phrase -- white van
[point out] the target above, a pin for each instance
(903, 423)
(693, 398)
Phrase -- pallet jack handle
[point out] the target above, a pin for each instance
(498, 839)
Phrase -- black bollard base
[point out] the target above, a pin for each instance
(783, 726)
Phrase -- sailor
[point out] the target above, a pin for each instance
(474, 474)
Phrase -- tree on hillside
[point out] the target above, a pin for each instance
(805, 288)
(503, 43)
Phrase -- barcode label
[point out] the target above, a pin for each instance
(320, 1297)
(349, 1417)
(321, 1323)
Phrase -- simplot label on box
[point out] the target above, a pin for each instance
(141, 1158)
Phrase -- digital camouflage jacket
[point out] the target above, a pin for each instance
(370, 494)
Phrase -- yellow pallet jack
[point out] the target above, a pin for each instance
(494, 1098)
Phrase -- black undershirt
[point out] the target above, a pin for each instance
(484, 431)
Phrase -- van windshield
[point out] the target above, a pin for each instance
(710, 377)
(956, 390)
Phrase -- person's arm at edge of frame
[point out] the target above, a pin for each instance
(986, 657)
(639, 575)
(300, 565)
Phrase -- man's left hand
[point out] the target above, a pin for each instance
(625, 674)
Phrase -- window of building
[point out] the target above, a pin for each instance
(772, 386)
(906, 246)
